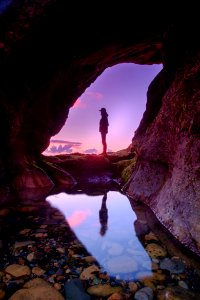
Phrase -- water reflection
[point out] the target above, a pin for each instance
(103, 216)
(119, 251)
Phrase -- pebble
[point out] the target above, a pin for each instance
(145, 293)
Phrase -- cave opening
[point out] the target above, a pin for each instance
(122, 89)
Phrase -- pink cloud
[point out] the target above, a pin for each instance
(95, 95)
(78, 217)
(65, 142)
(79, 104)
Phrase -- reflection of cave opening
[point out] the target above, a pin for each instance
(122, 90)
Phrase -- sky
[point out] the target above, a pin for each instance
(122, 90)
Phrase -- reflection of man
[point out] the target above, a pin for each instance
(103, 215)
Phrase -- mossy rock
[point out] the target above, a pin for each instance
(127, 171)
(119, 166)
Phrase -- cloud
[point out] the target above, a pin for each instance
(61, 146)
(88, 96)
(78, 217)
(79, 104)
(66, 142)
(91, 151)
(95, 95)
(60, 149)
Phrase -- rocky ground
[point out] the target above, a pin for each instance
(41, 257)
(91, 171)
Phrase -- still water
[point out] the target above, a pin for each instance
(105, 225)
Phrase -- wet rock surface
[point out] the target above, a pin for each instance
(89, 171)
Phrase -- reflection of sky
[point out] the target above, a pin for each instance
(120, 241)
(122, 90)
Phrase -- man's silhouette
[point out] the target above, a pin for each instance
(103, 216)
(103, 128)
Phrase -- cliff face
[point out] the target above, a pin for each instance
(46, 63)
(167, 143)
(166, 176)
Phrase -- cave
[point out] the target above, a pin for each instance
(47, 62)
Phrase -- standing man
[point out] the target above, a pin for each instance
(103, 128)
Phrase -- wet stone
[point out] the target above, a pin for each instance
(174, 265)
(88, 273)
(2, 294)
(38, 271)
(32, 256)
(150, 237)
(20, 245)
(103, 290)
(155, 250)
(145, 293)
(74, 289)
(39, 293)
(117, 296)
(183, 284)
(18, 270)
(177, 293)
(133, 287)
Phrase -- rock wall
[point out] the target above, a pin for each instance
(167, 174)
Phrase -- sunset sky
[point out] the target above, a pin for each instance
(122, 91)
